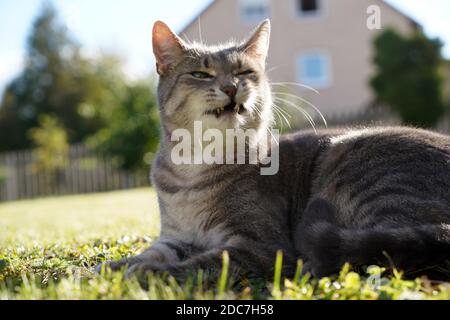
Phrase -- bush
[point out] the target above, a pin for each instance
(52, 148)
(408, 77)
(132, 130)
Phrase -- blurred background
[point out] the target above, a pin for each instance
(78, 111)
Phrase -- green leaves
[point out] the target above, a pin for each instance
(132, 128)
(408, 77)
(67, 274)
(48, 253)
(3, 264)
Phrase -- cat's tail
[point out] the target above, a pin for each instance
(409, 248)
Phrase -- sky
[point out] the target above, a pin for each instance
(124, 26)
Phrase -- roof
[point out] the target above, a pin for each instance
(213, 2)
(193, 20)
(392, 7)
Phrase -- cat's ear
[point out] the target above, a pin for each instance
(167, 47)
(257, 45)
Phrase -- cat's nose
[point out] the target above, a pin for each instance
(229, 90)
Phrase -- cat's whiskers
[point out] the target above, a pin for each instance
(307, 102)
(300, 109)
(257, 110)
(287, 84)
(269, 130)
(271, 133)
(259, 103)
(283, 112)
(303, 111)
(278, 116)
(200, 30)
(279, 112)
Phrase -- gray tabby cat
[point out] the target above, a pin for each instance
(379, 195)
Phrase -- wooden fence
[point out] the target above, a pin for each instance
(84, 172)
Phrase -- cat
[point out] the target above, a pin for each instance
(362, 196)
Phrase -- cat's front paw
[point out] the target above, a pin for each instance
(143, 269)
(110, 265)
(114, 265)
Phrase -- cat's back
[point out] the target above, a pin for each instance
(404, 137)
(396, 169)
(352, 154)
(331, 147)
(382, 143)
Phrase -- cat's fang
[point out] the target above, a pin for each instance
(237, 107)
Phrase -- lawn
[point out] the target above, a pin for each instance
(49, 246)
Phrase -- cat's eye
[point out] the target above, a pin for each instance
(245, 73)
(201, 75)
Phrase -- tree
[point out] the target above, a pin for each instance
(51, 146)
(51, 149)
(132, 129)
(408, 78)
(56, 80)
(90, 98)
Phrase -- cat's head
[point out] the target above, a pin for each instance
(223, 86)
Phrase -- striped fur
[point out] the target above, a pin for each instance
(356, 195)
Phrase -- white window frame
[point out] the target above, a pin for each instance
(246, 19)
(327, 79)
(319, 14)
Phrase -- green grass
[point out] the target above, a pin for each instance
(49, 246)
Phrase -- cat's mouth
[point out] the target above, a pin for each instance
(231, 108)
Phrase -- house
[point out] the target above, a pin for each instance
(324, 44)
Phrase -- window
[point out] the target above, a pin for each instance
(254, 10)
(314, 69)
(307, 8)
